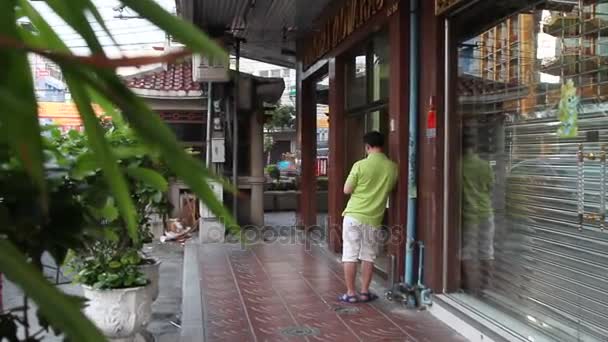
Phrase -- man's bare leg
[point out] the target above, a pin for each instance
(367, 271)
(350, 273)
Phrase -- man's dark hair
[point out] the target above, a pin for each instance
(469, 141)
(374, 139)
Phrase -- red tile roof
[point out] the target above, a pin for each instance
(177, 77)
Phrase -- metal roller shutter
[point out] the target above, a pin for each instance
(550, 269)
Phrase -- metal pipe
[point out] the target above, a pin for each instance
(446, 155)
(235, 133)
(391, 279)
(209, 122)
(413, 144)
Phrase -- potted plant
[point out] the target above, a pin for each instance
(117, 291)
(147, 179)
(119, 280)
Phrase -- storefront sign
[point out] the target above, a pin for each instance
(351, 16)
(442, 6)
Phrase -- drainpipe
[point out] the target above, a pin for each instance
(209, 122)
(413, 146)
(235, 134)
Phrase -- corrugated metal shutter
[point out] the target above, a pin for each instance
(549, 269)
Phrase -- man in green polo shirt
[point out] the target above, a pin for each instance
(477, 219)
(369, 184)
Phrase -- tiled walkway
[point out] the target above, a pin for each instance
(284, 292)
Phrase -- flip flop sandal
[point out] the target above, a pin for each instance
(345, 298)
(370, 297)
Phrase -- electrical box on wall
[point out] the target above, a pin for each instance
(218, 191)
(218, 150)
(209, 70)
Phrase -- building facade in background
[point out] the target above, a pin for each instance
(262, 69)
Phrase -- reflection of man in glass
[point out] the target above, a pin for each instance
(477, 217)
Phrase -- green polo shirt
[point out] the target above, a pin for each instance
(372, 179)
(477, 181)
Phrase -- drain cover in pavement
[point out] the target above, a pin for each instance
(346, 310)
(300, 331)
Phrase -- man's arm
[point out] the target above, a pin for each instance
(348, 188)
(351, 181)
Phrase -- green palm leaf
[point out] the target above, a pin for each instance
(74, 12)
(183, 31)
(20, 124)
(148, 176)
(20, 128)
(103, 153)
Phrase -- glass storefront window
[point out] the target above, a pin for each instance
(367, 73)
(356, 85)
(380, 85)
(534, 181)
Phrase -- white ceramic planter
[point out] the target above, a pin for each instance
(119, 314)
(152, 273)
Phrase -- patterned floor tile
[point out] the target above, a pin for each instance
(287, 293)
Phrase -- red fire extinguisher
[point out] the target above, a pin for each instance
(431, 120)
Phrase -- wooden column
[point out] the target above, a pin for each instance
(398, 138)
(430, 156)
(337, 171)
(307, 141)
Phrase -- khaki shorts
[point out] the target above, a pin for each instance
(478, 240)
(360, 241)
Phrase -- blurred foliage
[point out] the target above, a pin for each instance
(40, 207)
(273, 172)
(283, 117)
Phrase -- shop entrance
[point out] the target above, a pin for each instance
(367, 90)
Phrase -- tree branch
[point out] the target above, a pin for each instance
(99, 61)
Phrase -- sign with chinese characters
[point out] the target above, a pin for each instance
(441, 6)
(42, 72)
(335, 29)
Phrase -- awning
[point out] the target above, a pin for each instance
(269, 28)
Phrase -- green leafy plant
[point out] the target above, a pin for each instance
(108, 259)
(31, 232)
(108, 268)
(273, 172)
(89, 79)
(282, 117)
